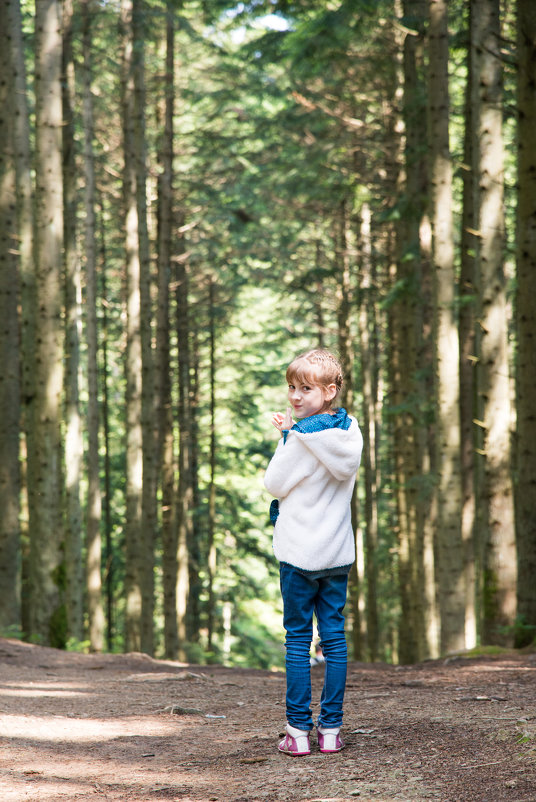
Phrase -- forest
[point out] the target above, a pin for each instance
(191, 194)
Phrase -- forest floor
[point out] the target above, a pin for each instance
(127, 727)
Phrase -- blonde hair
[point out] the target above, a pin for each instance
(317, 367)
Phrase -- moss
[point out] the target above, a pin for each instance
(57, 631)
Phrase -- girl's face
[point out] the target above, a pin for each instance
(310, 399)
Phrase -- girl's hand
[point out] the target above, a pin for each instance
(281, 421)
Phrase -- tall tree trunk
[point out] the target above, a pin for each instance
(134, 552)
(466, 327)
(73, 328)
(184, 500)
(27, 281)
(346, 355)
(95, 612)
(107, 495)
(47, 579)
(407, 324)
(369, 379)
(10, 620)
(526, 334)
(449, 571)
(148, 407)
(163, 361)
(211, 545)
(193, 618)
(498, 531)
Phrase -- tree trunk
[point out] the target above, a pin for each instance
(95, 613)
(498, 532)
(10, 620)
(449, 571)
(346, 355)
(148, 406)
(369, 378)
(74, 447)
(107, 495)
(27, 282)
(163, 366)
(407, 325)
(193, 617)
(466, 328)
(47, 576)
(184, 500)
(211, 545)
(134, 551)
(526, 333)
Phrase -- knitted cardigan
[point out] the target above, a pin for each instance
(312, 473)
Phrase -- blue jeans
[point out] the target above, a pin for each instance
(326, 597)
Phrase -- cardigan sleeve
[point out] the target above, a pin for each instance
(290, 464)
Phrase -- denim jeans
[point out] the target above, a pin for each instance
(325, 596)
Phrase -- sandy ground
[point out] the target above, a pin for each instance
(126, 727)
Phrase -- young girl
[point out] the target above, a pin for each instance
(312, 475)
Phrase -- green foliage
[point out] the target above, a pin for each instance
(275, 129)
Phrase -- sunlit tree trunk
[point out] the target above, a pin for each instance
(526, 324)
(110, 566)
(47, 580)
(497, 512)
(163, 361)
(148, 406)
(407, 326)
(466, 328)
(367, 324)
(193, 618)
(134, 552)
(344, 299)
(27, 281)
(449, 571)
(10, 620)
(211, 545)
(73, 329)
(95, 612)
(184, 501)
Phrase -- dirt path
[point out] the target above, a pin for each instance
(88, 727)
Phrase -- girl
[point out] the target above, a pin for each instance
(312, 475)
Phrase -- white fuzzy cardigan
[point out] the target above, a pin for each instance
(313, 477)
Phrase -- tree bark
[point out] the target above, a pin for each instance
(449, 568)
(134, 552)
(74, 447)
(184, 501)
(47, 574)
(10, 575)
(346, 354)
(497, 512)
(163, 361)
(95, 612)
(407, 325)
(526, 324)
(148, 405)
(27, 284)
(466, 328)
(212, 553)
(369, 378)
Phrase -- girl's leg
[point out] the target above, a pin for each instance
(330, 603)
(298, 594)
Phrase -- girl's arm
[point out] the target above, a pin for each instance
(290, 464)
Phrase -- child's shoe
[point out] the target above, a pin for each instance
(329, 740)
(295, 742)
